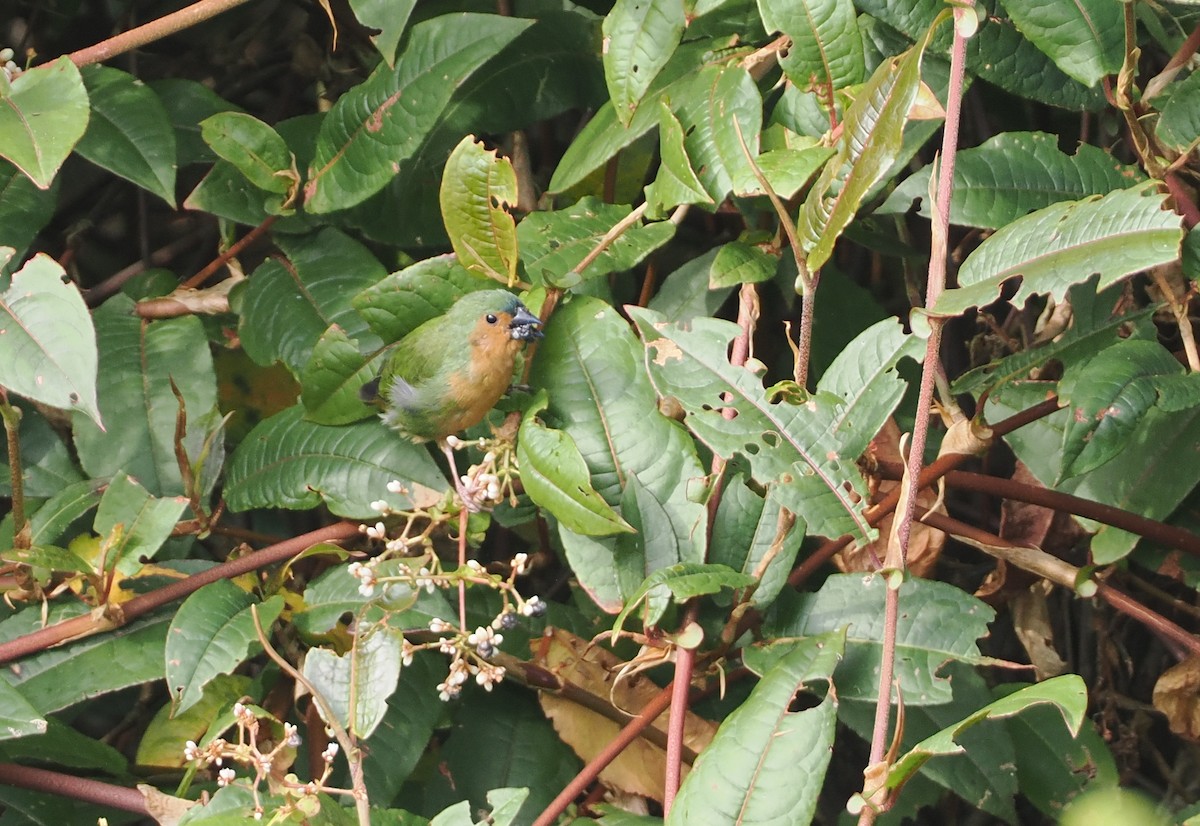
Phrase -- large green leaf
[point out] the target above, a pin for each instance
(554, 243)
(84, 669)
(390, 17)
(140, 523)
(642, 463)
(337, 594)
(478, 188)
(998, 53)
(676, 182)
(1067, 692)
(1165, 472)
(47, 344)
(796, 449)
(24, 210)
(333, 378)
(257, 150)
(941, 623)
(1085, 38)
(212, 633)
(44, 113)
(1114, 235)
(1012, 174)
(767, 763)
(140, 439)
(287, 462)
(187, 103)
(639, 38)
(381, 122)
(324, 272)
(405, 300)
(826, 48)
(402, 736)
(682, 582)
(708, 107)
(45, 457)
(1108, 397)
(549, 68)
(604, 135)
(556, 478)
(358, 683)
(18, 718)
(1179, 124)
(129, 132)
(747, 529)
(872, 135)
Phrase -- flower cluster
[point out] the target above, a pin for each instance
(255, 750)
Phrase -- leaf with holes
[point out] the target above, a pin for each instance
(767, 763)
(826, 49)
(478, 188)
(797, 449)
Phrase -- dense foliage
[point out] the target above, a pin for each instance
(775, 293)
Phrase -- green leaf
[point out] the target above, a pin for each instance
(747, 529)
(1096, 323)
(17, 717)
(1164, 475)
(788, 170)
(401, 738)
(767, 763)
(24, 210)
(1067, 692)
(61, 745)
(85, 669)
(405, 300)
(139, 522)
(212, 633)
(331, 380)
(287, 462)
(390, 17)
(1085, 38)
(505, 722)
(478, 188)
(46, 460)
(129, 132)
(942, 623)
(604, 135)
(506, 804)
(554, 243)
(676, 182)
(1108, 396)
(639, 38)
(684, 293)
(683, 581)
(708, 108)
(357, 684)
(741, 263)
(556, 478)
(47, 344)
(794, 448)
(187, 103)
(1114, 235)
(872, 134)
(254, 148)
(639, 460)
(325, 270)
(140, 439)
(1179, 124)
(381, 122)
(1053, 766)
(826, 50)
(337, 593)
(1012, 174)
(43, 116)
(159, 746)
(48, 557)
(51, 520)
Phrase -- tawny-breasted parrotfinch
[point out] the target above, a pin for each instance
(445, 376)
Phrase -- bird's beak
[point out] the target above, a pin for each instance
(525, 325)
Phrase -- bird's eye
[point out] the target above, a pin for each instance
(491, 319)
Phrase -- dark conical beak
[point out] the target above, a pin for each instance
(525, 325)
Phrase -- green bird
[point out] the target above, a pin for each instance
(446, 375)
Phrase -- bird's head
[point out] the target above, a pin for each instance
(496, 319)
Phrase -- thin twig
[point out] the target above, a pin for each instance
(612, 751)
(347, 741)
(613, 234)
(234, 248)
(147, 33)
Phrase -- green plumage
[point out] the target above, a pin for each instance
(445, 375)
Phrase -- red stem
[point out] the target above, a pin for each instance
(75, 788)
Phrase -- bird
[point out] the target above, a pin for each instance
(445, 375)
